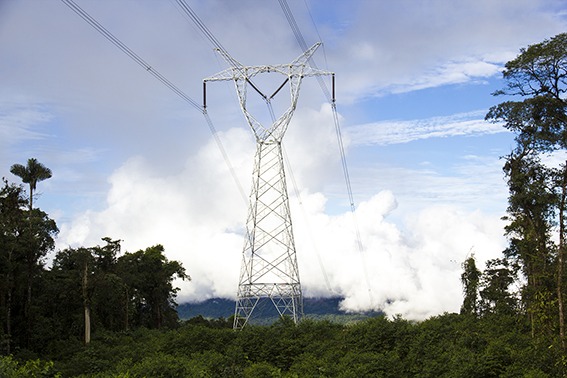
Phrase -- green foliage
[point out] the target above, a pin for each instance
(162, 365)
(262, 370)
(538, 192)
(10, 368)
(26, 236)
(449, 345)
(189, 340)
(120, 292)
(31, 174)
(149, 276)
(495, 293)
(86, 288)
(470, 278)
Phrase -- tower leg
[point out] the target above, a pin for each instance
(269, 263)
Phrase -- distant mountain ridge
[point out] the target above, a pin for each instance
(215, 308)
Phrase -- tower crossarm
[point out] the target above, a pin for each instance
(248, 72)
(242, 76)
(298, 67)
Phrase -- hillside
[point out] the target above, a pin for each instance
(315, 308)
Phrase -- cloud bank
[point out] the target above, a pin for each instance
(198, 215)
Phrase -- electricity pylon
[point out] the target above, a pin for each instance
(269, 263)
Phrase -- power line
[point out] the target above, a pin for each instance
(331, 98)
(192, 16)
(207, 33)
(224, 155)
(303, 45)
(308, 226)
(301, 41)
(148, 68)
(235, 64)
(126, 50)
(316, 30)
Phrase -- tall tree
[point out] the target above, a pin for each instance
(24, 242)
(101, 291)
(495, 283)
(31, 173)
(70, 290)
(12, 224)
(561, 253)
(538, 75)
(470, 279)
(149, 276)
(531, 216)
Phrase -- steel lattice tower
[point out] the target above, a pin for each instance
(269, 264)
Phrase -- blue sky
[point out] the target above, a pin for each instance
(133, 161)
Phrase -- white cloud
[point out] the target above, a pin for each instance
(198, 216)
(311, 148)
(407, 45)
(392, 132)
(454, 72)
(414, 272)
(21, 120)
(468, 182)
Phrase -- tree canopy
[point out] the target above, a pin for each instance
(538, 188)
(31, 173)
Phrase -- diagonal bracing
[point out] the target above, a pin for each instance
(269, 264)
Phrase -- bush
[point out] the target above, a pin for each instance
(10, 368)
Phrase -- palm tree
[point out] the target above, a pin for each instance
(31, 174)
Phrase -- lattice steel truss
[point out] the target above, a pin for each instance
(269, 264)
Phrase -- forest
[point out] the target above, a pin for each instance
(97, 311)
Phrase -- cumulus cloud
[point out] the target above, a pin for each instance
(311, 148)
(198, 216)
(411, 270)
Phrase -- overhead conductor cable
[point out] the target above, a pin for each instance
(301, 41)
(148, 68)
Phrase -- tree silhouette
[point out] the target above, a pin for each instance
(31, 174)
